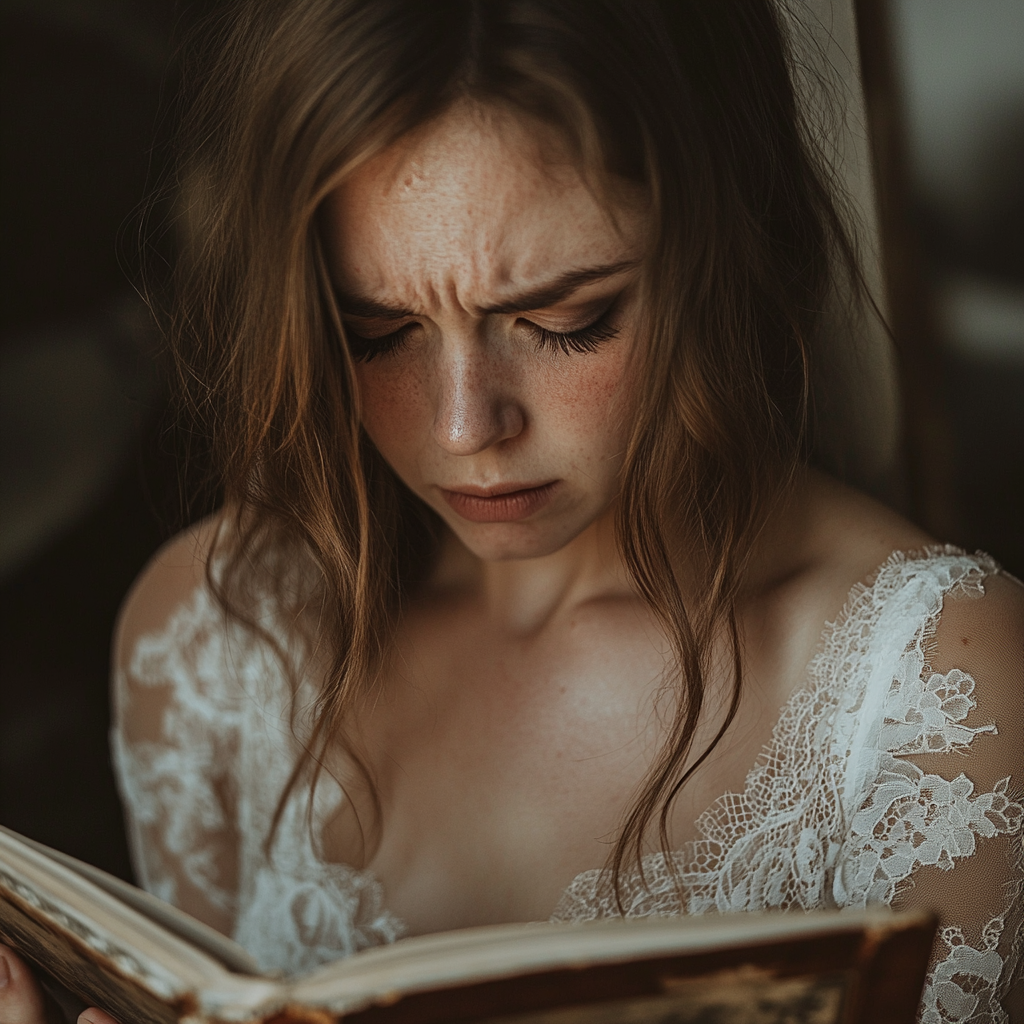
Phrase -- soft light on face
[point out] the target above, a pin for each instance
(490, 299)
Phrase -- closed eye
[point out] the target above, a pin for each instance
(365, 349)
(584, 339)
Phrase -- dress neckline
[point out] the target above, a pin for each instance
(807, 703)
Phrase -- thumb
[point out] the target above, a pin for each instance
(94, 1016)
(21, 1001)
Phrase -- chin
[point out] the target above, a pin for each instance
(508, 542)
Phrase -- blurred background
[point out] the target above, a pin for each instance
(89, 473)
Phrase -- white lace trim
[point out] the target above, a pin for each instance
(169, 785)
(303, 912)
(209, 786)
(830, 815)
(964, 985)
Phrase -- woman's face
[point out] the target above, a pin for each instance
(490, 300)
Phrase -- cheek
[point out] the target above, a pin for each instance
(395, 411)
(593, 397)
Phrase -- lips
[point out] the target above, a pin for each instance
(504, 504)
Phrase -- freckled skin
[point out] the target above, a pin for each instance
(515, 722)
(521, 710)
(455, 219)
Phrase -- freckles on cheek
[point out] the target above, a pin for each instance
(594, 386)
(392, 405)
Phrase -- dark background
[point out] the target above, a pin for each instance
(88, 464)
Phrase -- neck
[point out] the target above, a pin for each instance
(524, 595)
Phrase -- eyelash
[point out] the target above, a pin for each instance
(586, 339)
(366, 349)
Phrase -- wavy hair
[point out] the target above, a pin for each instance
(693, 100)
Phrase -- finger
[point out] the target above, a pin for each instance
(94, 1016)
(21, 1001)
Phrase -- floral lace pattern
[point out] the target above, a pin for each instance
(168, 786)
(303, 912)
(211, 782)
(833, 813)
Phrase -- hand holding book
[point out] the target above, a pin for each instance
(22, 1001)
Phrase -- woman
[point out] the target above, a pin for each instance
(502, 316)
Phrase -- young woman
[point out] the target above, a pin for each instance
(524, 602)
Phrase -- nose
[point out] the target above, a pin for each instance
(476, 402)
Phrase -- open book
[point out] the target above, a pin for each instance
(117, 947)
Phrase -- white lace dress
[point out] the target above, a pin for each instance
(842, 809)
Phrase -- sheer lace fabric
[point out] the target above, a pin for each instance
(200, 795)
(845, 807)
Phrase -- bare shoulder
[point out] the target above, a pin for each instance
(975, 681)
(825, 540)
(849, 537)
(980, 631)
(850, 534)
(980, 636)
(984, 627)
(167, 582)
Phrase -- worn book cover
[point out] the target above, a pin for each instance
(109, 944)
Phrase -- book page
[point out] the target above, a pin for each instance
(95, 944)
(176, 921)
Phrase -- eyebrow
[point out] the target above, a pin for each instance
(560, 288)
(369, 309)
(537, 298)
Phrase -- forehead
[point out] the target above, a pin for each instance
(476, 201)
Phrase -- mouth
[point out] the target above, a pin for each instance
(503, 504)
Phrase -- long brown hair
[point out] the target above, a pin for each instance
(693, 100)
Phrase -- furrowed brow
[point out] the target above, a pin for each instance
(369, 309)
(537, 298)
(560, 288)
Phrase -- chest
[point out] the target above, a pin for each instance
(498, 767)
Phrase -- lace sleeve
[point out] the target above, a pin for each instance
(946, 812)
(174, 743)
